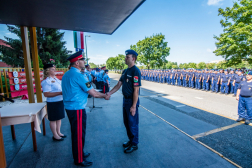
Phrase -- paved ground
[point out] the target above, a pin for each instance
(171, 133)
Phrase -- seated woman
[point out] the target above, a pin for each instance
(55, 108)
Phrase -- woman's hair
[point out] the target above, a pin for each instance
(46, 72)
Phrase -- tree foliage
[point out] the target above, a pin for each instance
(117, 62)
(201, 65)
(50, 46)
(235, 43)
(152, 51)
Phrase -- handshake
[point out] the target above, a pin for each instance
(108, 95)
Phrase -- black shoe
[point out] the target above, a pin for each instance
(126, 144)
(130, 149)
(86, 154)
(240, 119)
(57, 139)
(85, 163)
(64, 136)
(247, 122)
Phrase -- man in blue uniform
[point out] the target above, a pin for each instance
(244, 94)
(75, 90)
(225, 81)
(130, 82)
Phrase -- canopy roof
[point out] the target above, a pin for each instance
(97, 16)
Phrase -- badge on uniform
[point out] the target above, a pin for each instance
(127, 80)
(53, 81)
(135, 79)
(88, 84)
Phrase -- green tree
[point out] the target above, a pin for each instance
(235, 43)
(120, 62)
(40, 63)
(152, 51)
(210, 65)
(50, 46)
(110, 63)
(192, 65)
(92, 65)
(169, 65)
(221, 65)
(201, 65)
(175, 66)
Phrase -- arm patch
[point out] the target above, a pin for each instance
(88, 84)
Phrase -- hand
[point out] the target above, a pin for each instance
(107, 97)
(133, 110)
(237, 98)
(2, 94)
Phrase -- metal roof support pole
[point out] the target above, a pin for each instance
(28, 73)
(34, 50)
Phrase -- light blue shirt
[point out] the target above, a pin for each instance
(88, 74)
(52, 85)
(97, 75)
(106, 77)
(74, 89)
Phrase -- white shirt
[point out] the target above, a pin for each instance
(52, 85)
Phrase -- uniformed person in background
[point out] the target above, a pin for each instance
(75, 90)
(225, 81)
(232, 83)
(106, 81)
(130, 82)
(244, 96)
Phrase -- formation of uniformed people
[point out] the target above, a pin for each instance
(223, 81)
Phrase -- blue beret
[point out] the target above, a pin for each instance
(250, 73)
(131, 52)
(75, 57)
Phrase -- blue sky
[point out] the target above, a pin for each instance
(188, 26)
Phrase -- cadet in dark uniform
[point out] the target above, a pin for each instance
(225, 81)
(130, 82)
(244, 95)
(75, 90)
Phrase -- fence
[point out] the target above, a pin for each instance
(16, 86)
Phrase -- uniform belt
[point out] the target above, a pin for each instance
(246, 96)
(128, 97)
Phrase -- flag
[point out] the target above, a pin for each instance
(78, 39)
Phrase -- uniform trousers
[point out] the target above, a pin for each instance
(190, 82)
(204, 85)
(184, 82)
(198, 84)
(215, 86)
(179, 82)
(173, 81)
(231, 87)
(77, 119)
(131, 122)
(208, 85)
(224, 87)
(106, 88)
(245, 107)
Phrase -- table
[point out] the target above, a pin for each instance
(32, 113)
(98, 90)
